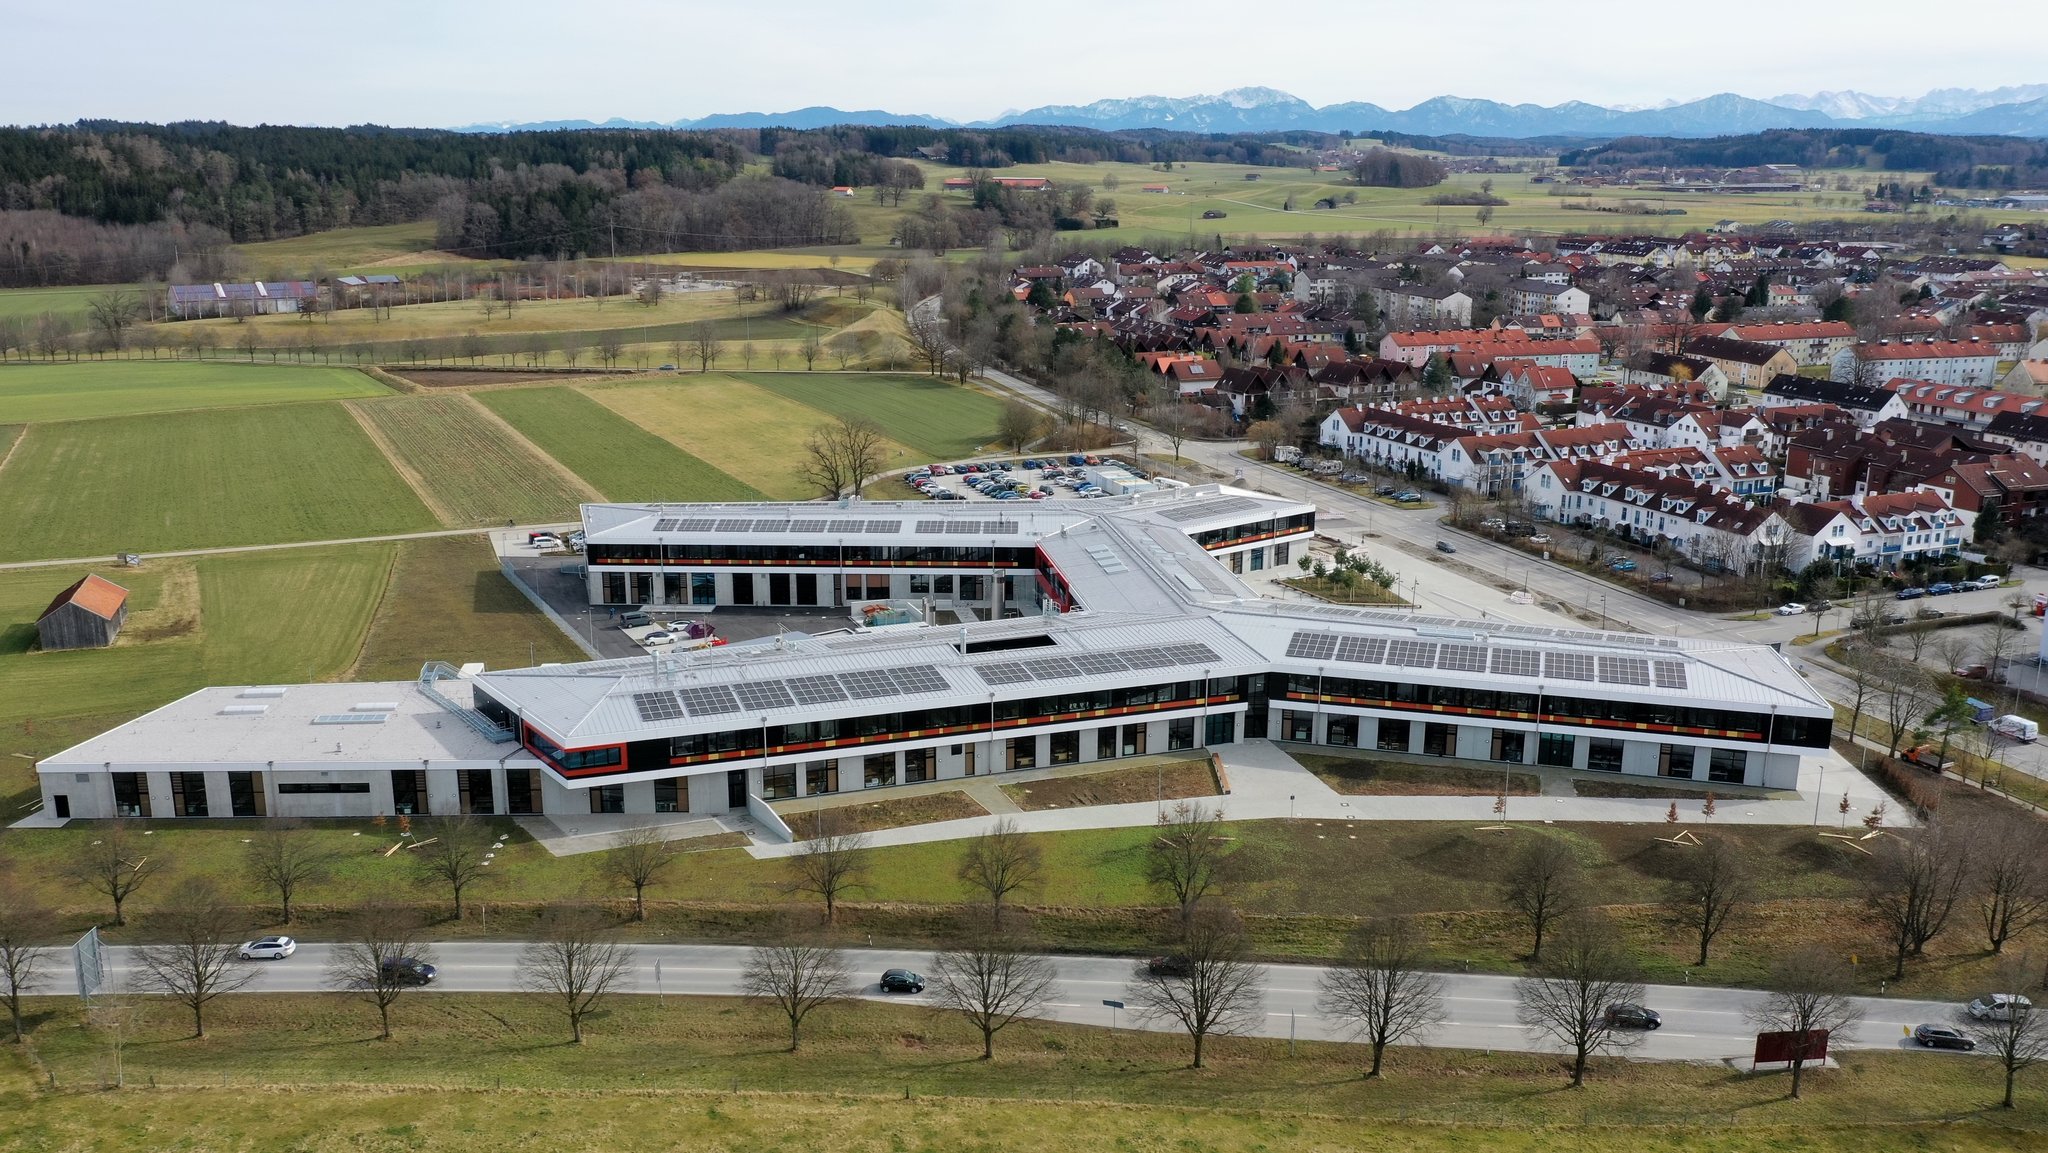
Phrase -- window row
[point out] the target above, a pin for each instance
(822, 553)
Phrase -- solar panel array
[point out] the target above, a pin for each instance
(792, 692)
(967, 527)
(684, 524)
(1412, 654)
(1559, 664)
(1566, 666)
(1069, 666)
(1208, 508)
(661, 706)
(1516, 663)
(814, 524)
(1625, 670)
(1669, 674)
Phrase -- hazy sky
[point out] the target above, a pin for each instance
(429, 63)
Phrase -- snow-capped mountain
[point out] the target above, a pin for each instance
(1938, 104)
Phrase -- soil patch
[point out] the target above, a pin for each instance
(891, 814)
(1360, 776)
(1174, 780)
(1630, 789)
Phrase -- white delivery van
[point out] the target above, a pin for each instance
(2016, 727)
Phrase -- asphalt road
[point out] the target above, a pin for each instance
(1699, 1022)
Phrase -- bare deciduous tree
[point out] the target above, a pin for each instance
(196, 957)
(1567, 999)
(357, 965)
(1212, 987)
(113, 865)
(927, 329)
(1017, 425)
(1809, 993)
(451, 852)
(1000, 862)
(1543, 884)
(830, 864)
(24, 928)
(636, 860)
(113, 312)
(2011, 877)
(798, 978)
(705, 345)
(1914, 885)
(1175, 421)
(810, 348)
(1381, 989)
(284, 858)
(1185, 853)
(577, 962)
(840, 457)
(2020, 1041)
(989, 979)
(1712, 886)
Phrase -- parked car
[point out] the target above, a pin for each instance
(657, 638)
(1989, 581)
(545, 541)
(1999, 1007)
(1658, 578)
(901, 981)
(407, 971)
(1940, 589)
(1407, 497)
(1791, 609)
(1173, 966)
(1912, 594)
(1623, 565)
(268, 949)
(1446, 546)
(1384, 490)
(1819, 606)
(1941, 1037)
(1627, 1016)
(1539, 538)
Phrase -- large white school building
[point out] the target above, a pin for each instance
(1087, 631)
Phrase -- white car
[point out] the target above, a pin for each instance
(1988, 581)
(268, 949)
(2000, 1007)
(545, 543)
(1793, 609)
(658, 637)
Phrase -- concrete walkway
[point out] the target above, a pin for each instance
(565, 835)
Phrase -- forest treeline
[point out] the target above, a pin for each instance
(1956, 161)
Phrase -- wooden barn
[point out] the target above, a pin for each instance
(85, 616)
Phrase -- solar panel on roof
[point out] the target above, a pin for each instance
(771, 525)
(807, 526)
(1414, 654)
(963, 527)
(1051, 668)
(1148, 658)
(919, 679)
(661, 706)
(1669, 674)
(1000, 526)
(867, 684)
(1625, 670)
(695, 524)
(815, 690)
(734, 524)
(885, 526)
(1191, 653)
(1516, 663)
(709, 701)
(668, 525)
(763, 695)
(1568, 666)
(1362, 650)
(931, 526)
(351, 718)
(1094, 663)
(1207, 508)
(1307, 646)
(1462, 658)
(1002, 673)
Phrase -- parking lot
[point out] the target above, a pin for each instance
(1077, 476)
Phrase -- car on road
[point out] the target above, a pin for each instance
(268, 949)
(1999, 1007)
(1941, 1037)
(1912, 594)
(407, 971)
(1625, 1015)
(1172, 966)
(901, 981)
(1940, 589)
(1791, 609)
(1446, 546)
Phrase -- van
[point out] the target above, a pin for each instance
(2017, 728)
(634, 619)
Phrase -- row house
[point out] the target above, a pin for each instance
(1865, 404)
(1811, 342)
(1531, 385)
(2012, 487)
(1742, 471)
(1658, 371)
(1746, 364)
(1938, 361)
(1366, 381)
(2007, 341)
(1786, 421)
(1884, 529)
(1468, 413)
(1541, 296)
(1715, 530)
(1972, 409)
(1661, 423)
(1581, 356)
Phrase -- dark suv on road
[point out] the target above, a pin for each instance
(901, 981)
(1627, 1016)
(407, 971)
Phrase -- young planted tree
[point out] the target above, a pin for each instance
(24, 964)
(2020, 1041)
(831, 864)
(1185, 854)
(284, 858)
(999, 863)
(576, 962)
(113, 865)
(195, 957)
(450, 853)
(1914, 885)
(988, 978)
(637, 859)
(1543, 883)
(1566, 1001)
(1809, 995)
(1212, 988)
(798, 978)
(356, 964)
(1713, 885)
(1381, 987)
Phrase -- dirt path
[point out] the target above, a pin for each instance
(12, 448)
(60, 562)
(406, 472)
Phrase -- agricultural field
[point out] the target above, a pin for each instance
(470, 468)
(738, 427)
(935, 418)
(197, 479)
(29, 303)
(343, 250)
(448, 600)
(618, 458)
(101, 388)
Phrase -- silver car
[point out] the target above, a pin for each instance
(268, 949)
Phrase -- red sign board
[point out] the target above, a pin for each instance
(1789, 1046)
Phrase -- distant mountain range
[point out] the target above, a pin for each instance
(2015, 111)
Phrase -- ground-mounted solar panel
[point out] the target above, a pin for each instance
(1516, 663)
(1362, 650)
(885, 526)
(807, 525)
(1625, 671)
(919, 679)
(868, 684)
(1668, 674)
(709, 700)
(1002, 673)
(1569, 666)
(1412, 654)
(1097, 663)
(815, 690)
(1050, 668)
(1462, 658)
(1307, 646)
(771, 526)
(661, 706)
(764, 695)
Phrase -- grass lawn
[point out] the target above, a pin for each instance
(1360, 592)
(1368, 777)
(1172, 780)
(881, 1076)
(615, 456)
(448, 600)
(100, 388)
(198, 479)
(892, 814)
(473, 471)
(73, 301)
(941, 421)
(737, 427)
(343, 248)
